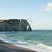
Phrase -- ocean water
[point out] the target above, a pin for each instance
(39, 40)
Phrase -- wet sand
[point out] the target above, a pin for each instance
(5, 47)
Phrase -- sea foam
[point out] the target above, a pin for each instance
(38, 47)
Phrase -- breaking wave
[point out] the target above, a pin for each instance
(37, 47)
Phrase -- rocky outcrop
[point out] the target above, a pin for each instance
(15, 25)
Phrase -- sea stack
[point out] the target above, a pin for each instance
(15, 25)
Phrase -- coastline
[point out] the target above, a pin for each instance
(6, 47)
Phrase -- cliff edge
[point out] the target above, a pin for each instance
(15, 25)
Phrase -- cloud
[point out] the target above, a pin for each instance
(48, 7)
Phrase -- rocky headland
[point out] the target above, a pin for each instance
(15, 25)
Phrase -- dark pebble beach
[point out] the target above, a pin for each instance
(6, 47)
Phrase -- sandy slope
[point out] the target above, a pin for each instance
(4, 47)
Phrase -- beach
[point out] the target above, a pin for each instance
(6, 47)
(26, 41)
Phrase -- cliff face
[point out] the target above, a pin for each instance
(15, 25)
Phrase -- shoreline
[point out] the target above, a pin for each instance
(6, 47)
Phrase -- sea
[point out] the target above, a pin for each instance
(39, 40)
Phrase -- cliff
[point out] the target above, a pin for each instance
(15, 25)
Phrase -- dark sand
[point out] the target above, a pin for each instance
(5, 47)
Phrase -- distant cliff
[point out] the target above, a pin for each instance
(15, 25)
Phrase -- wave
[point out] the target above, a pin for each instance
(11, 41)
(37, 47)
(44, 48)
